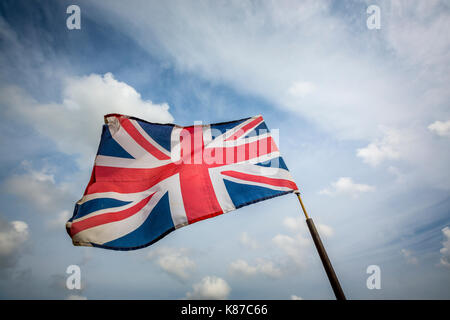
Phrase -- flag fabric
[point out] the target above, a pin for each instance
(150, 179)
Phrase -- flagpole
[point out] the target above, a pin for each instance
(323, 254)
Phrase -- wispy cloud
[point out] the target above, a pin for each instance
(382, 149)
(75, 124)
(346, 186)
(13, 235)
(248, 241)
(294, 247)
(409, 256)
(209, 288)
(39, 189)
(264, 267)
(441, 128)
(174, 261)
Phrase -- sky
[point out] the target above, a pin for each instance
(364, 127)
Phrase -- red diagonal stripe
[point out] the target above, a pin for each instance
(103, 218)
(245, 128)
(144, 143)
(254, 178)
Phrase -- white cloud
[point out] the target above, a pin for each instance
(396, 172)
(210, 287)
(13, 235)
(268, 268)
(174, 261)
(294, 247)
(382, 149)
(415, 32)
(241, 266)
(445, 250)
(413, 150)
(34, 185)
(346, 186)
(301, 89)
(294, 224)
(294, 297)
(60, 220)
(262, 267)
(247, 241)
(38, 188)
(440, 128)
(325, 230)
(75, 124)
(297, 247)
(409, 257)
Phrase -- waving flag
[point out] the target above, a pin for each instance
(150, 179)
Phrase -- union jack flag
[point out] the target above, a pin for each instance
(150, 179)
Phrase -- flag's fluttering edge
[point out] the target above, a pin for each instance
(150, 179)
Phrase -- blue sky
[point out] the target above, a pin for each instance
(364, 124)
